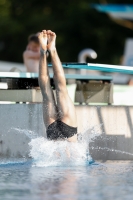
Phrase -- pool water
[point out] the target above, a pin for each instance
(60, 170)
(96, 181)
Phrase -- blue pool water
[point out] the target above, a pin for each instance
(96, 181)
(59, 170)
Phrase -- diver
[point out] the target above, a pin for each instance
(58, 113)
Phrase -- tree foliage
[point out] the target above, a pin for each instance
(75, 22)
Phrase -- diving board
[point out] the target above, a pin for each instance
(87, 66)
(24, 87)
(100, 67)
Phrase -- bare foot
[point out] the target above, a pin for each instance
(42, 36)
(51, 40)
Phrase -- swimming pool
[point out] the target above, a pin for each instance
(98, 181)
(50, 173)
(53, 173)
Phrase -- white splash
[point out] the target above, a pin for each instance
(62, 153)
(57, 153)
(49, 153)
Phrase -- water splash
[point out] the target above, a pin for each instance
(28, 133)
(46, 153)
(58, 153)
(63, 153)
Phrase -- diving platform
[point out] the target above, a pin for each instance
(24, 87)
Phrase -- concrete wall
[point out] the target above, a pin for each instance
(109, 127)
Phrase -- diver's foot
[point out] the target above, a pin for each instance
(51, 40)
(42, 36)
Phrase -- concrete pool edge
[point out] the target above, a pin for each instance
(110, 128)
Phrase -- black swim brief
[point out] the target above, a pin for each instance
(60, 130)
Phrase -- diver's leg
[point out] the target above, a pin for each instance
(49, 105)
(66, 109)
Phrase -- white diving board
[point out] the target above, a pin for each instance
(100, 67)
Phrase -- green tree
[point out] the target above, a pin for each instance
(75, 22)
